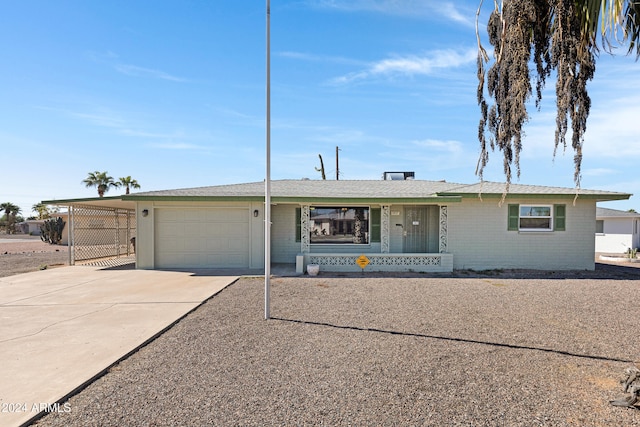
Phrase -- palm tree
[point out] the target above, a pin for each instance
(101, 180)
(555, 35)
(10, 213)
(128, 182)
(42, 210)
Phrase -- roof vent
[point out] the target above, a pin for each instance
(398, 176)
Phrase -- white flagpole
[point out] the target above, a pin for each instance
(267, 181)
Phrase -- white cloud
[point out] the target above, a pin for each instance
(595, 172)
(409, 8)
(412, 65)
(451, 146)
(100, 119)
(320, 58)
(612, 129)
(431, 154)
(180, 146)
(340, 136)
(449, 10)
(113, 60)
(133, 70)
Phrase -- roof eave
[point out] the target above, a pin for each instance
(596, 197)
(110, 202)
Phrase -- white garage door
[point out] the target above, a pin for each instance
(202, 238)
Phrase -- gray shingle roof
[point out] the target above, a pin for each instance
(614, 213)
(488, 187)
(315, 188)
(370, 189)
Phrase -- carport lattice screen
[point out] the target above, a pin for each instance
(102, 232)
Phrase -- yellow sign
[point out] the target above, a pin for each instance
(362, 261)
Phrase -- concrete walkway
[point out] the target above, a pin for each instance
(61, 328)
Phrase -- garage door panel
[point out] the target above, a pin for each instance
(169, 260)
(195, 216)
(195, 245)
(170, 230)
(225, 244)
(215, 244)
(192, 231)
(238, 244)
(238, 230)
(176, 245)
(217, 229)
(202, 238)
(166, 215)
(229, 260)
(226, 215)
(194, 259)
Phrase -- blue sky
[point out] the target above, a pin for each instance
(173, 94)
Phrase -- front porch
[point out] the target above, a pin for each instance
(417, 242)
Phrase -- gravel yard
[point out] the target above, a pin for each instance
(22, 253)
(494, 349)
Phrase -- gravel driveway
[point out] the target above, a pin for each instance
(483, 350)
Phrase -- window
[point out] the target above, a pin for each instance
(599, 226)
(536, 217)
(339, 225)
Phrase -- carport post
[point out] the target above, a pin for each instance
(267, 181)
(69, 233)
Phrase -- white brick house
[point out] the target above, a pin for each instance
(411, 225)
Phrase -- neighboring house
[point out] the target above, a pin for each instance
(399, 225)
(616, 231)
(31, 226)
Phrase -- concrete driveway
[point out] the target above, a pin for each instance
(61, 328)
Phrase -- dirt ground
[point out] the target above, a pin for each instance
(21, 253)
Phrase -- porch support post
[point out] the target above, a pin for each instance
(384, 232)
(443, 230)
(305, 242)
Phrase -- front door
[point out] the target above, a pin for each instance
(420, 229)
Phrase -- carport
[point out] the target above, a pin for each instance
(99, 231)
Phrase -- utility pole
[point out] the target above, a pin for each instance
(337, 167)
(267, 181)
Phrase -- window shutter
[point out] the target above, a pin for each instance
(298, 224)
(514, 218)
(559, 217)
(375, 224)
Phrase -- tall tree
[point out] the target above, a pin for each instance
(42, 210)
(127, 182)
(11, 212)
(546, 35)
(101, 180)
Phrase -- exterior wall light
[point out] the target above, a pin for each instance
(256, 213)
(145, 212)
